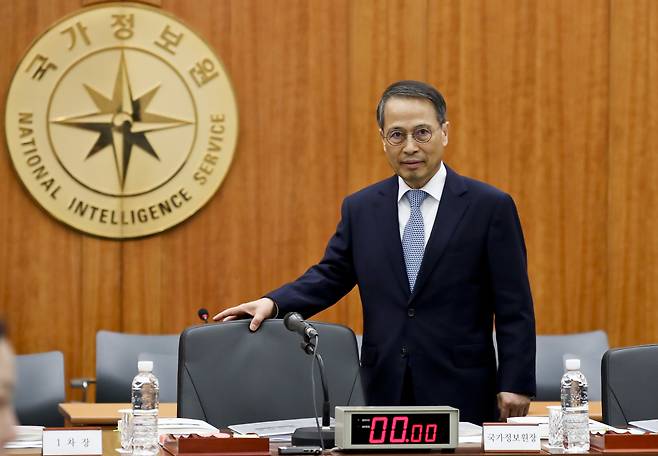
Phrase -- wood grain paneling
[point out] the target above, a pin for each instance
(550, 100)
(633, 187)
(41, 259)
(529, 115)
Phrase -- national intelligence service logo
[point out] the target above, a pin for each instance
(121, 121)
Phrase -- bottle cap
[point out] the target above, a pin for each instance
(572, 364)
(145, 366)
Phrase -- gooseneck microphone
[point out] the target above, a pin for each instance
(316, 436)
(203, 314)
(295, 323)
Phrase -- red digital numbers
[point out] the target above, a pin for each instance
(430, 433)
(373, 429)
(404, 420)
(379, 431)
(416, 433)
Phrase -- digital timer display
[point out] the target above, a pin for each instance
(400, 429)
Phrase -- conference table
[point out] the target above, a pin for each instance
(98, 414)
(111, 442)
(106, 416)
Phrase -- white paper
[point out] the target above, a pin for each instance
(26, 434)
(277, 431)
(467, 429)
(185, 426)
(26, 437)
(647, 425)
(23, 444)
(542, 421)
(470, 439)
(469, 432)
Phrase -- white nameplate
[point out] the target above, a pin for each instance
(80, 441)
(510, 437)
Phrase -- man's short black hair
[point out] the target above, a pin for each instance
(412, 89)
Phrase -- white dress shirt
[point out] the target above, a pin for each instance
(430, 205)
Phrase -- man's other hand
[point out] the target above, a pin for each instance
(260, 309)
(512, 404)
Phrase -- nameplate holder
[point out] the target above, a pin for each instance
(511, 437)
(215, 445)
(72, 441)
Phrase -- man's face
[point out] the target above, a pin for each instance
(415, 162)
(7, 416)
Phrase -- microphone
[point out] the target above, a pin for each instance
(203, 314)
(305, 436)
(295, 323)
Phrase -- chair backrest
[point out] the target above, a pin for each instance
(116, 363)
(552, 350)
(229, 375)
(39, 388)
(630, 384)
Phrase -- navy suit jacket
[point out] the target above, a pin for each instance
(473, 270)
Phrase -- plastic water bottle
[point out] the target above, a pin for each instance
(575, 408)
(145, 399)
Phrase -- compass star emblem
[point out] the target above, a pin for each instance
(122, 121)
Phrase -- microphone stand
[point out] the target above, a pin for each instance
(308, 436)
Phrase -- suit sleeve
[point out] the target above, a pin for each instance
(324, 283)
(514, 313)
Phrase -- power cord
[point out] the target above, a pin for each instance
(315, 406)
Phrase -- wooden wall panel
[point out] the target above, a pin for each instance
(41, 262)
(526, 86)
(633, 186)
(100, 301)
(550, 100)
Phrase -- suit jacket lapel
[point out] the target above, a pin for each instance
(387, 212)
(451, 209)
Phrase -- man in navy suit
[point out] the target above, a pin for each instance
(438, 258)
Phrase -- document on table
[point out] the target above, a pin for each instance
(469, 432)
(647, 425)
(277, 431)
(542, 421)
(26, 437)
(185, 426)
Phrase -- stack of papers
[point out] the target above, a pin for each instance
(542, 421)
(469, 432)
(26, 437)
(185, 426)
(277, 431)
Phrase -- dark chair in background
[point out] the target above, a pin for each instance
(630, 384)
(116, 364)
(552, 350)
(39, 388)
(229, 375)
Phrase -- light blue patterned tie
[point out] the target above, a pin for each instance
(413, 238)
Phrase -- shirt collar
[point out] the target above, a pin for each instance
(434, 187)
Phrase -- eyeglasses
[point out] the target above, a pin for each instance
(398, 136)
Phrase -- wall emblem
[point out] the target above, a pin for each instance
(120, 121)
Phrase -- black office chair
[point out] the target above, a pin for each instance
(630, 384)
(229, 375)
(39, 388)
(552, 350)
(116, 364)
